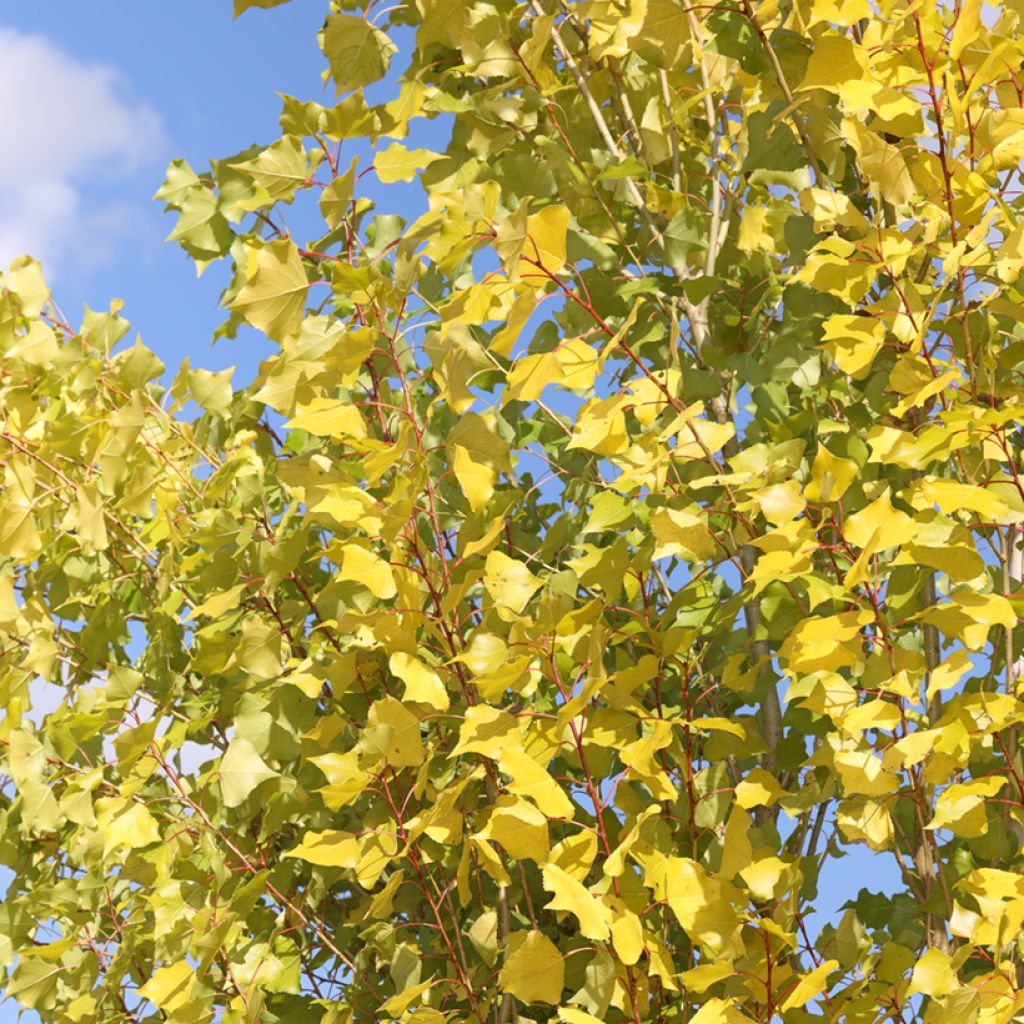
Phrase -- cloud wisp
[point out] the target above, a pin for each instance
(71, 145)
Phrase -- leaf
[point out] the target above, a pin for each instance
(835, 60)
(241, 771)
(170, 988)
(404, 744)
(720, 1011)
(396, 163)
(422, 684)
(280, 170)
(595, 918)
(362, 566)
(274, 298)
(520, 828)
(241, 6)
(961, 807)
(696, 899)
(758, 789)
(810, 986)
(510, 583)
(212, 390)
(34, 983)
(530, 779)
(544, 247)
(329, 417)
(125, 823)
(336, 198)
(892, 526)
(933, 974)
(627, 936)
(219, 603)
(967, 28)
(329, 849)
(534, 972)
(358, 53)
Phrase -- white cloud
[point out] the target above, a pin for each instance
(69, 142)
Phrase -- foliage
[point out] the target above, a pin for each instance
(602, 556)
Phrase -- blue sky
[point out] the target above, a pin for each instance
(96, 98)
(103, 95)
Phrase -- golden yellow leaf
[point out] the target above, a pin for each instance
(534, 971)
(362, 566)
(422, 684)
(595, 917)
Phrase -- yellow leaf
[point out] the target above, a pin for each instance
(736, 847)
(217, 604)
(241, 771)
(719, 1011)
(488, 859)
(875, 714)
(572, 365)
(860, 570)
(169, 988)
(399, 1003)
(866, 821)
(396, 163)
(405, 747)
(125, 824)
(479, 454)
(881, 162)
(601, 426)
(780, 503)
(571, 1015)
(934, 975)
(759, 789)
(362, 566)
(862, 774)
(627, 936)
(486, 730)
(830, 477)
(331, 849)
(422, 684)
(967, 28)
(274, 298)
(510, 583)
(945, 676)
(835, 60)
(476, 479)
(853, 341)
(961, 807)
(575, 854)
(328, 417)
(520, 828)
(697, 900)
(530, 779)
(840, 12)
(810, 986)
(893, 526)
(683, 533)
(954, 496)
(595, 917)
(700, 979)
(486, 653)
(766, 877)
(545, 241)
(534, 971)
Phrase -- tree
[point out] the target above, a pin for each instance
(601, 557)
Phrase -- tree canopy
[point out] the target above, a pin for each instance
(602, 555)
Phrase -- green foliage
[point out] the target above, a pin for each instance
(601, 556)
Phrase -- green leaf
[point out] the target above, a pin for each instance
(357, 52)
(241, 771)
